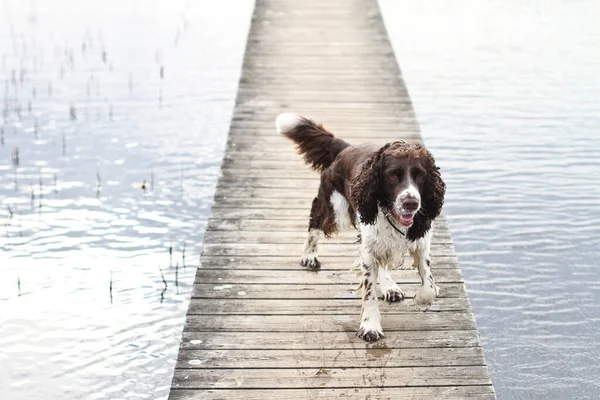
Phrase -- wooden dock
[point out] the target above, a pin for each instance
(259, 325)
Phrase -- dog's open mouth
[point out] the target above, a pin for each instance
(404, 219)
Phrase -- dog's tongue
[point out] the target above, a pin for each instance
(406, 219)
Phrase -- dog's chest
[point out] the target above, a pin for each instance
(385, 243)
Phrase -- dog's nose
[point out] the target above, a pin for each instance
(410, 204)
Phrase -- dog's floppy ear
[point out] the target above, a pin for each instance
(432, 198)
(364, 193)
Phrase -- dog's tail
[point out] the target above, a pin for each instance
(317, 145)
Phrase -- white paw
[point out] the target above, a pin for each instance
(394, 295)
(426, 295)
(310, 260)
(370, 329)
(390, 290)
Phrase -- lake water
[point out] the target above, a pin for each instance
(508, 98)
(120, 112)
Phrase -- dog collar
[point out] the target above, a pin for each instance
(394, 226)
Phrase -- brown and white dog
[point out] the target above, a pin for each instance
(390, 193)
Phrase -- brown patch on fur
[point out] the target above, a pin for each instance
(365, 188)
(317, 145)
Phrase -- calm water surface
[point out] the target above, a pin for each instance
(119, 111)
(508, 97)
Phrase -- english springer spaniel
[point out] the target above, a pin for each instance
(390, 193)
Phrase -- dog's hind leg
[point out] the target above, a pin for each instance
(310, 257)
(389, 289)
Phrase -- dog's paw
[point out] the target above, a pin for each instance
(394, 295)
(311, 261)
(370, 335)
(370, 330)
(426, 295)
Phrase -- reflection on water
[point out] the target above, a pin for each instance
(507, 96)
(114, 118)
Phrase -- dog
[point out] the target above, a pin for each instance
(390, 193)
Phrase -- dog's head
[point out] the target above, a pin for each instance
(404, 180)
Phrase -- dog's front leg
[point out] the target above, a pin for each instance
(370, 319)
(428, 290)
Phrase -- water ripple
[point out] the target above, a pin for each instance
(506, 94)
(119, 113)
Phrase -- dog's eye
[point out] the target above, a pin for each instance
(418, 174)
(392, 177)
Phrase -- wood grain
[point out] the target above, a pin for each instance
(261, 326)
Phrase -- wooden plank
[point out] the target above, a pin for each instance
(479, 392)
(276, 145)
(303, 173)
(225, 197)
(415, 321)
(375, 357)
(280, 225)
(325, 377)
(283, 292)
(328, 262)
(280, 213)
(281, 154)
(247, 134)
(243, 306)
(325, 340)
(362, 108)
(279, 165)
(310, 185)
(298, 236)
(267, 249)
(291, 277)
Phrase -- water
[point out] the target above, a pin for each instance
(507, 94)
(119, 110)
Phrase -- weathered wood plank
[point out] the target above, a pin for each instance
(332, 378)
(483, 392)
(247, 134)
(328, 262)
(303, 173)
(243, 306)
(288, 149)
(415, 321)
(439, 224)
(275, 183)
(280, 213)
(226, 224)
(282, 154)
(238, 200)
(291, 277)
(307, 94)
(262, 249)
(375, 357)
(331, 291)
(298, 236)
(325, 340)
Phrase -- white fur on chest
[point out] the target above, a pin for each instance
(384, 243)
